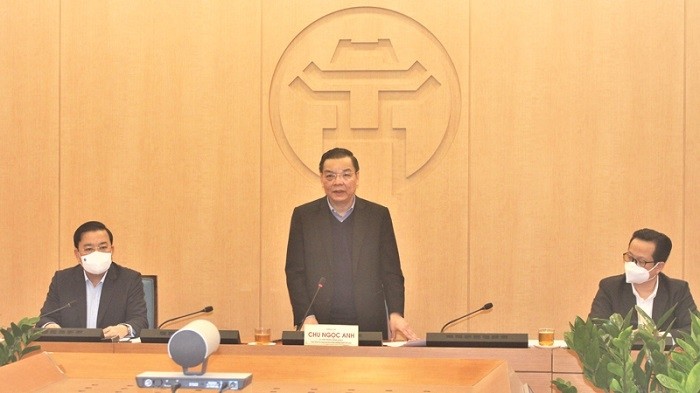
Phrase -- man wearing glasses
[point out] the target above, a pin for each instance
(101, 293)
(350, 242)
(644, 285)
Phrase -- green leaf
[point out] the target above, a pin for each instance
(644, 319)
(695, 327)
(628, 318)
(604, 348)
(591, 357)
(615, 369)
(6, 334)
(682, 362)
(687, 347)
(18, 338)
(564, 386)
(30, 349)
(665, 317)
(692, 383)
(658, 361)
(16, 331)
(677, 375)
(9, 338)
(601, 376)
(615, 386)
(670, 383)
(29, 321)
(35, 334)
(623, 341)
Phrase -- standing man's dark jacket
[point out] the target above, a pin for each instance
(378, 283)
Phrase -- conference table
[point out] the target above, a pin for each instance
(112, 367)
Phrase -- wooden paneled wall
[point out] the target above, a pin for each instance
(518, 145)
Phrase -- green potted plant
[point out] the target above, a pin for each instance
(604, 348)
(17, 340)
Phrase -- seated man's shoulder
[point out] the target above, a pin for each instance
(69, 271)
(123, 270)
(672, 281)
(613, 280)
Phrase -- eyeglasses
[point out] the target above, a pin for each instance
(345, 175)
(627, 257)
(90, 249)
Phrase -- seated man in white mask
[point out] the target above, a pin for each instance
(101, 293)
(644, 284)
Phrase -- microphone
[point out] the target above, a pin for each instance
(306, 314)
(486, 306)
(205, 309)
(67, 305)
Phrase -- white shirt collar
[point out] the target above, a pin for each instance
(646, 304)
(102, 280)
(341, 217)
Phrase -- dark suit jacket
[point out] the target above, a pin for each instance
(122, 299)
(376, 268)
(615, 296)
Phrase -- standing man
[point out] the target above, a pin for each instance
(644, 285)
(101, 293)
(350, 242)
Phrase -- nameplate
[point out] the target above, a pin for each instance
(331, 335)
(491, 340)
(163, 336)
(72, 335)
(367, 339)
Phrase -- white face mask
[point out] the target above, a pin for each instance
(96, 262)
(636, 274)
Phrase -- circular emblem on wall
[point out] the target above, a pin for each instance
(366, 78)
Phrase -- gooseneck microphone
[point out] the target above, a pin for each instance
(486, 306)
(67, 305)
(313, 299)
(205, 309)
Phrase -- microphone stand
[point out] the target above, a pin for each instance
(306, 314)
(486, 306)
(205, 309)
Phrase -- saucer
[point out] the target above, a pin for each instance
(555, 345)
(254, 343)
